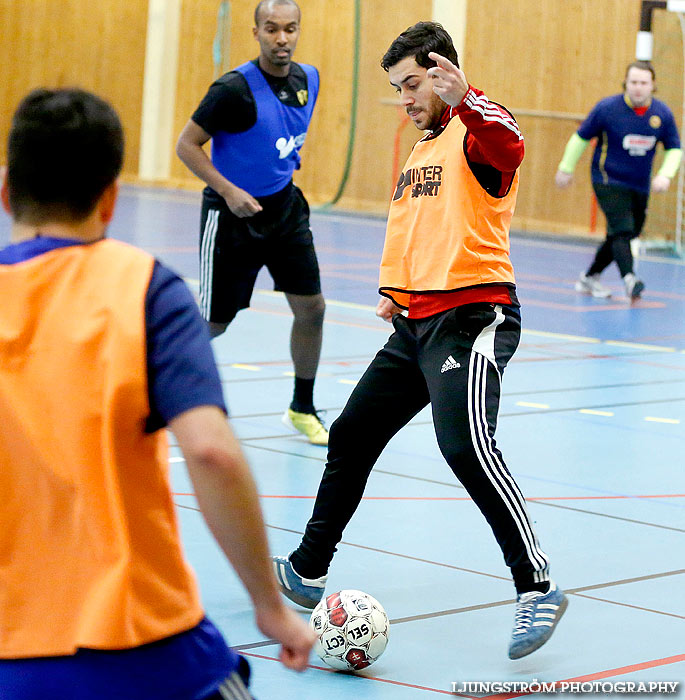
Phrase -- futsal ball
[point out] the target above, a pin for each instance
(352, 630)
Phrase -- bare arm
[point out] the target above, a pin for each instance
(189, 150)
(227, 496)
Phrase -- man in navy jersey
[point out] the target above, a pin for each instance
(627, 127)
(252, 213)
(101, 347)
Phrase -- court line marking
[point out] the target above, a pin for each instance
(645, 402)
(519, 238)
(368, 678)
(282, 376)
(610, 673)
(464, 498)
(509, 601)
(248, 442)
(504, 414)
(524, 331)
(457, 485)
(612, 517)
(595, 308)
(600, 674)
(481, 606)
(592, 412)
(639, 346)
(620, 305)
(597, 387)
(628, 605)
(459, 498)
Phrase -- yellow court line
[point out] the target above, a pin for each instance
(348, 381)
(249, 368)
(592, 412)
(655, 419)
(527, 404)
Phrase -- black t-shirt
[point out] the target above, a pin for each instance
(229, 104)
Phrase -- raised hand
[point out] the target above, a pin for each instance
(449, 82)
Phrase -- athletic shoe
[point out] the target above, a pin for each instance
(634, 286)
(537, 614)
(589, 284)
(306, 592)
(308, 424)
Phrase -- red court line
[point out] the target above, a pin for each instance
(467, 498)
(373, 678)
(600, 674)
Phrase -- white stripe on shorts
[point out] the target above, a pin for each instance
(207, 262)
(233, 688)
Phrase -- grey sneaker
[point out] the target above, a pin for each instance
(589, 284)
(634, 286)
(303, 591)
(537, 614)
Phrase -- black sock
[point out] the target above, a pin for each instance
(303, 396)
(528, 587)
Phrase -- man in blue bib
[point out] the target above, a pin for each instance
(252, 213)
(627, 127)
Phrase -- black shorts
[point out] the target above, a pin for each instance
(625, 209)
(233, 250)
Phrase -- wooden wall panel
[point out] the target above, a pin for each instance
(371, 179)
(327, 42)
(55, 43)
(198, 27)
(559, 56)
(537, 58)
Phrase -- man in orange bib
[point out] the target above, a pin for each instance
(446, 264)
(101, 347)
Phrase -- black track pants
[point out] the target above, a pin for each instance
(454, 360)
(625, 211)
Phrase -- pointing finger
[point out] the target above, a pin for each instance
(441, 60)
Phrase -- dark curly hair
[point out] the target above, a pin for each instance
(418, 41)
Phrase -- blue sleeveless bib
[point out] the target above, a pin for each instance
(262, 159)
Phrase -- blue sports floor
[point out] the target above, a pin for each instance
(592, 425)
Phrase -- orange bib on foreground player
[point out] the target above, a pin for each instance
(468, 243)
(92, 555)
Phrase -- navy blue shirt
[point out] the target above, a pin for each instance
(182, 375)
(626, 141)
